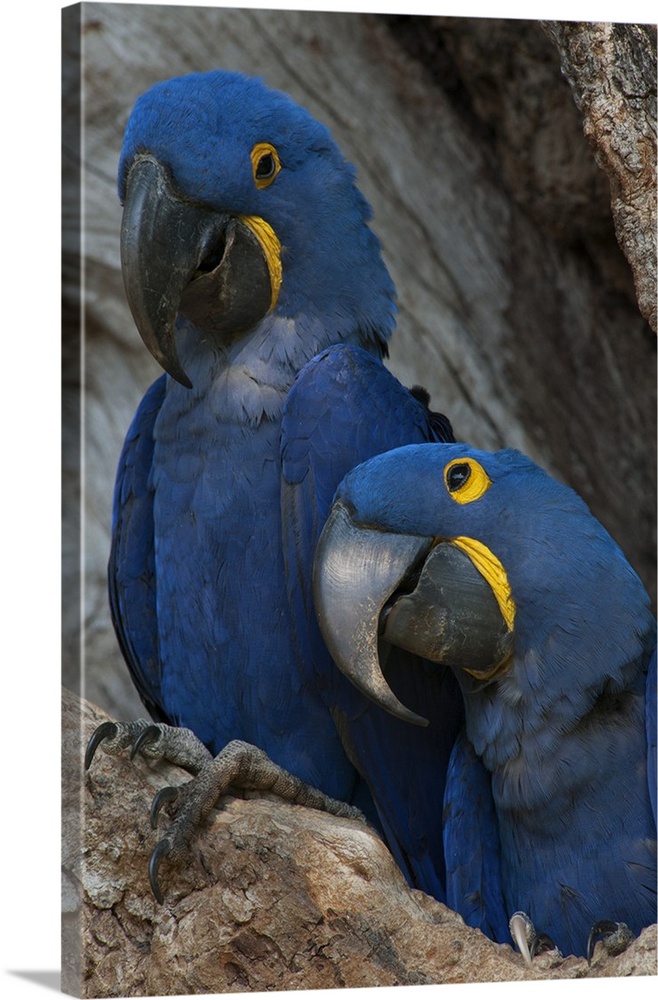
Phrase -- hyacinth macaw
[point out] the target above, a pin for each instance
(550, 800)
(256, 282)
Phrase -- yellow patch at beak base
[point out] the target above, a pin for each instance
(271, 245)
(493, 572)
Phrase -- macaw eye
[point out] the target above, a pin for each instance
(265, 164)
(457, 475)
(265, 168)
(465, 480)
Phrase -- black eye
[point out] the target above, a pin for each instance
(265, 164)
(457, 475)
(266, 167)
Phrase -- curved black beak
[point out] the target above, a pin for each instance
(410, 591)
(182, 256)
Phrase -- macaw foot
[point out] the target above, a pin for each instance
(615, 936)
(154, 741)
(527, 939)
(238, 765)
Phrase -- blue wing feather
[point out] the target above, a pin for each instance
(472, 844)
(131, 569)
(346, 407)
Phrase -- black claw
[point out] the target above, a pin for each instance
(150, 735)
(162, 849)
(107, 730)
(601, 927)
(167, 794)
(610, 929)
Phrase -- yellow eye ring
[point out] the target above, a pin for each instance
(465, 480)
(265, 164)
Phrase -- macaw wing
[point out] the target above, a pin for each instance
(651, 698)
(131, 569)
(472, 844)
(346, 407)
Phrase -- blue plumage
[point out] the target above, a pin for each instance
(223, 487)
(550, 801)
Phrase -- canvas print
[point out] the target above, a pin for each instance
(359, 500)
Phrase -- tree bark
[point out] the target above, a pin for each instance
(612, 71)
(273, 897)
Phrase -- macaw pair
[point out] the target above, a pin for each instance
(256, 282)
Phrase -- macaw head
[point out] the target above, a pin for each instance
(238, 203)
(482, 562)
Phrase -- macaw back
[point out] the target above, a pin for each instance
(578, 836)
(224, 622)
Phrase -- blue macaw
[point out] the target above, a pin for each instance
(550, 807)
(256, 282)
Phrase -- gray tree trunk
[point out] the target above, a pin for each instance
(612, 72)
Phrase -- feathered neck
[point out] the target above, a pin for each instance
(584, 634)
(247, 381)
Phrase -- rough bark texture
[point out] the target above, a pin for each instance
(612, 72)
(274, 897)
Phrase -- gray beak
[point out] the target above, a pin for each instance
(409, 591)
